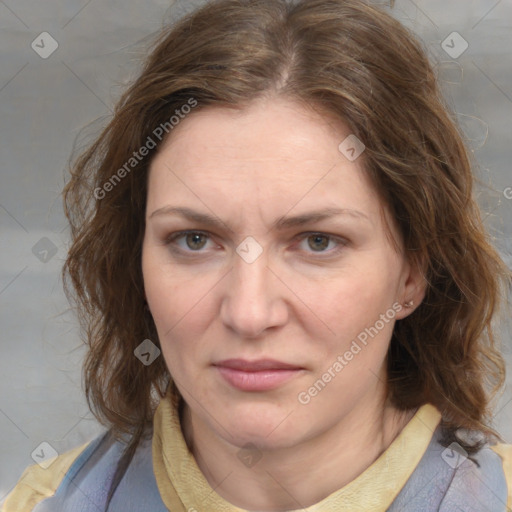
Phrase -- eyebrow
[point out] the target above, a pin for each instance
(281, 224)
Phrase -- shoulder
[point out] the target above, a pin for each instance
(81, 479)
(39, 482)
(505, 453)
(480, 481)
(448, 479)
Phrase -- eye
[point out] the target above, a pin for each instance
(321, 243)
(188, 241)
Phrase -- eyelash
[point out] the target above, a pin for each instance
(171, 239)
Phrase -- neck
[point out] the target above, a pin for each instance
(299, 476)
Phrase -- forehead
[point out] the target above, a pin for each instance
(276, 128)
(275, 154)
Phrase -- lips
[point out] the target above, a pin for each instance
(256, 366)
(260, 375)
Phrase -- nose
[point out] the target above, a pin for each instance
(253, 301)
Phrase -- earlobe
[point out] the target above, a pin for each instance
(414, 290)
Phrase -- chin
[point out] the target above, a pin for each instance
(263, 424)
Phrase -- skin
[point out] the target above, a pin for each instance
(299, 302)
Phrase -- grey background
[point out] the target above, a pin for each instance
(44, 103)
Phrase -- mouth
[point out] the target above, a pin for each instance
(260, 375)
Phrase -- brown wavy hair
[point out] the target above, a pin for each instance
(349, 60)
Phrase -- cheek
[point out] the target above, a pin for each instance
(350, 308)
(183, 306)
(178, 323)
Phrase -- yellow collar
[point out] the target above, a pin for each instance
(180, 480)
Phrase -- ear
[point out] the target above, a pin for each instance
(413, 289)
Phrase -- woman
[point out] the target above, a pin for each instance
(285, 283)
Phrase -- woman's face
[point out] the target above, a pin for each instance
(269, 273)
